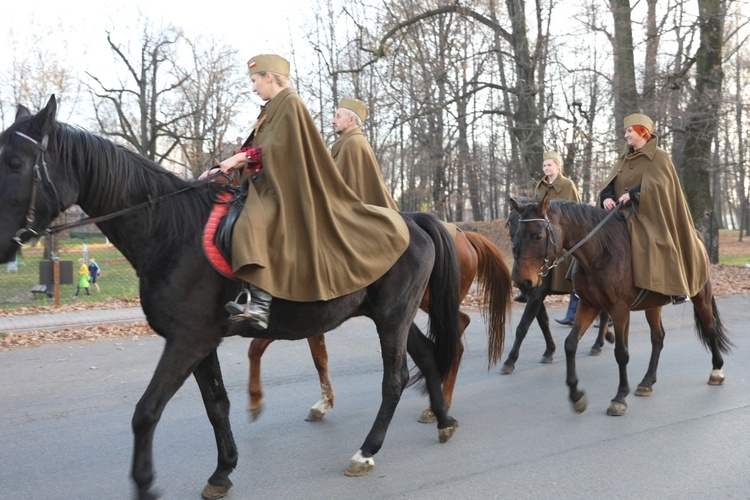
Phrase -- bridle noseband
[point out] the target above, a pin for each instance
(39, 176)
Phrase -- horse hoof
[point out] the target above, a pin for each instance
(314, 415)
(643, 390)
(255, 413)
(212, 491)
(546, 360)
(610, 336)
(445, 434)
(716, 378)
(427, 417)
(595, 351)
(617, 409)
(581, 405)
(507, 369)
(359, 465)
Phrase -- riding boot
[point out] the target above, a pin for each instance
(678, 299)
(256, 307)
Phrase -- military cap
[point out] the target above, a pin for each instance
(268, 62)
(639, 119)
(355, 105)
(554, 155)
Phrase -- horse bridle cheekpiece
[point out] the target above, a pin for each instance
(40, 176)
(546, 266)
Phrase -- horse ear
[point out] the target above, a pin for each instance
(544, 203)
(515, 205)
(22, 112)
(46, 117)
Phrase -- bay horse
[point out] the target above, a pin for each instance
(535, 309)
(603, 280)
(156, 220)
(478, 258)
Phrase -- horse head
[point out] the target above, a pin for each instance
(30, 183)
(532, 240)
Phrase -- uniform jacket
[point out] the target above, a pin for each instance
(303, 235)
(356, 161)
(562, 189)
(668, 257)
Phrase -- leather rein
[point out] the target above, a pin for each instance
(41, 176)
(546, 266)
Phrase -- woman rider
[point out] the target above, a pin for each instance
(668, 257)
(303, 235)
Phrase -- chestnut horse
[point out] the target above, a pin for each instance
(535, 308)
(603, 279)
(477, 258)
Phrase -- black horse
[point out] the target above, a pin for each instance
(156, 220)
(535, 308)
(603, 279)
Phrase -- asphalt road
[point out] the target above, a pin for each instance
(66, 408)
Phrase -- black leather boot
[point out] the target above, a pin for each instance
(678, 299)
(256, 309)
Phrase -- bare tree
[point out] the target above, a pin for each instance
(137, 109)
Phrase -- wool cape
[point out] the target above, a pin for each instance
(303, 235)
(562, 189)
(356, 161)
(668, 256)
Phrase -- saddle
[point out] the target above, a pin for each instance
(217, 234)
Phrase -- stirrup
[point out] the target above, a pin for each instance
(237, 310)
(678, 299)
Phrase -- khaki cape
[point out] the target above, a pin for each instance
(562, 189)
(356, 161)
(303, 235)
(668, 256)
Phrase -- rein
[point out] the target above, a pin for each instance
(27, 233)
(546, 267)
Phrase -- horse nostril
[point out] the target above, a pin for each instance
(527, 284)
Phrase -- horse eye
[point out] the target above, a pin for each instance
(538, 236)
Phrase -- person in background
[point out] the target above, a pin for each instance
(354, 156)
(83, 278)
(668, 256)
(559, 187)
(94, 273)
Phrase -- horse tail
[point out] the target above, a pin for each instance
(495, 289)
(443, 288)
(720, 334)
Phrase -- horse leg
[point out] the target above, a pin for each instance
(604, 333)
(211, 384)
(395, 378)
(543, 320)
(711, 331)
(534, 302)
(422, 351)
(449, 382)
(585, 314)
(177, 362)
(254, 387)
(319, 353)
(653, 316)
(621, 323)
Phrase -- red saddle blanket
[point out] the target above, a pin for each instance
(213, 254)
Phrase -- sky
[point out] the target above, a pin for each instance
(80, 26)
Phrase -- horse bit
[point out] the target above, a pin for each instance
(27, 233)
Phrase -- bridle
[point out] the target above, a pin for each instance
(546, 267)
(40, 176)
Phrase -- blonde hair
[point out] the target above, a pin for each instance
(281, 80)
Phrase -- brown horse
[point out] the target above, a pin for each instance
(603, 280)
(477, 257)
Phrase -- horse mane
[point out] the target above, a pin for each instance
(610, 239)
(113, 178)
